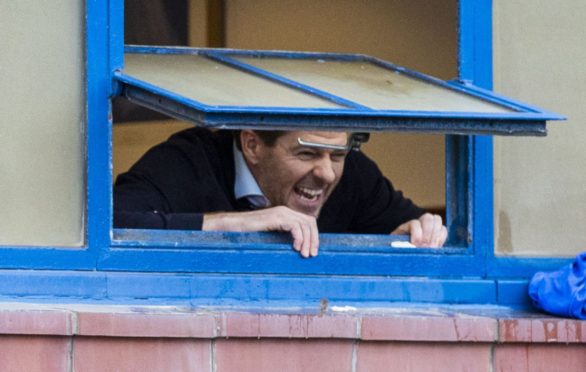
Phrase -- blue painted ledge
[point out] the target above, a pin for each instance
(219, 289)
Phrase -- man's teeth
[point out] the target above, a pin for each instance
(309, 193)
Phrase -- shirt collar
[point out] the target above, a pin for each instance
(245, 186)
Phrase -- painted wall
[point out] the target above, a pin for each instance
(404, 32)
(540, 184)
(42, 121)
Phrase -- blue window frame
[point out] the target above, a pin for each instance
(219, 267)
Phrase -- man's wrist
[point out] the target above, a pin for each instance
(220, 221)
(212, 222)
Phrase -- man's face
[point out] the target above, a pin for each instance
(300, 177)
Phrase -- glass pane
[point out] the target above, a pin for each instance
(213, 83)
(42, 118)
(540, 184)
(372, 85)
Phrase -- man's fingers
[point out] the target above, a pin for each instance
(427, 222)
(443, 236)
(436, 235)
(310, 236)
(432, 230)
(314, 238)
(296, 234)
(303, 230)
(416, 232)
(427, 231)
(306, 244)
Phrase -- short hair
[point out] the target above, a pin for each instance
(268, 137)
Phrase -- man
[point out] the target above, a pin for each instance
(300, 182)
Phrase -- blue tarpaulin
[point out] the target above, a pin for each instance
(562, 292)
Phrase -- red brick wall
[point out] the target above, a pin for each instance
(115, 338)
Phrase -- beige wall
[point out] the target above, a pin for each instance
(131, 140)
(42, 121)
(417, 34)
(540, 183)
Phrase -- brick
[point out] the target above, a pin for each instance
(118, 354)
(32, 354)
(576, 330)
(567, 358)
(147, 325)
(265, 325)
(549, 330)
(428, 328)
(422, 357)
(510, 358)
(336, 326)
(240, 325)
(515, 330)
(31, 322)
(278, 325)
(539, 357)
(288, 326)
(283, 355)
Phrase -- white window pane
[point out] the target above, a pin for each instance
(42, 100)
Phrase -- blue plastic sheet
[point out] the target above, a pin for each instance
(562, 292)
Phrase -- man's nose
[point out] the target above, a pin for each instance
(324, 170)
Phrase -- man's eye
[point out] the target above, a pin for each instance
(338, 156)
(306, 155)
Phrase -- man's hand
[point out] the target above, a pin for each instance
(427, 231)
(303, 228)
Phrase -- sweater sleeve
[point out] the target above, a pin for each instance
(170, 187)
(140, 204)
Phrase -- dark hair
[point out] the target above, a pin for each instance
(268, 137)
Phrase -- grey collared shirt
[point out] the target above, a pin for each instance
(245, 186)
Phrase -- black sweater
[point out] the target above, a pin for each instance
(192, 173)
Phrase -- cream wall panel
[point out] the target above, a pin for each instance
(540, 183)
(42, 121)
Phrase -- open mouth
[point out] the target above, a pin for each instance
(308, 193)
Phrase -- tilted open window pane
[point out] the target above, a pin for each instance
(215, 84)
(373, 86)
(287, 90)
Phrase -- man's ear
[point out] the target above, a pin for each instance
(252, 145)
